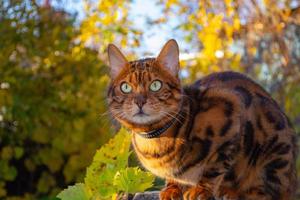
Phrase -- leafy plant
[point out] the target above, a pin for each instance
(109, 175)
(52, 91)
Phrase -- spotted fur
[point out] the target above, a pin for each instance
(230, 139)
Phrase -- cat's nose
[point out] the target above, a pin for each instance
(140, 100)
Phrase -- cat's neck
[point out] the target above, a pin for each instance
(157, 132)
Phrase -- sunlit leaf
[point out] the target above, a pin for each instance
(132, 180)
(76, 192)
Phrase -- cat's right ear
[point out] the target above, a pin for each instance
(169, 57)
(117, 60)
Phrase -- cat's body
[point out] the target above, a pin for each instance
(230, 135)
(225, 136)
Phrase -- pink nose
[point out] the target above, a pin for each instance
(140, 100)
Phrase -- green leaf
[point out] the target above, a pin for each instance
(109, 175)
(76, 192)
(133, 179)
(7, 153)
(19, 151)
(109, 159)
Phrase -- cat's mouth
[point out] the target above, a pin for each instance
(141, 117)
(141, 113)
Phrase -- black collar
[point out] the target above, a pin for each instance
(157, 132)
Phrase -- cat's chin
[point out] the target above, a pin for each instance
(143, 123)
(144, 119)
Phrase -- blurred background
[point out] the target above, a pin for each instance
(54, 74)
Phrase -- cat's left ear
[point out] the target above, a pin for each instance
(117, 60)
(169, 57)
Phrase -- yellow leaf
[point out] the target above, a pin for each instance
(7, 153)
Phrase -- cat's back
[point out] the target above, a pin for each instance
(252, 97)
(232, 80)
(268, 141)
(258, 108)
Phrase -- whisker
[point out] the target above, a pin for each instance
(172, 116)
(104, 113)
(177, 113)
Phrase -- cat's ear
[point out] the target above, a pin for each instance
(169, 57)
(117, 60)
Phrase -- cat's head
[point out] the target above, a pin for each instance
(145, 94)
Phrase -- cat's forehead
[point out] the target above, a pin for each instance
(145, 64)
(141, 71)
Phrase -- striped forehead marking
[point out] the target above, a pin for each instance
(140, 70)
(142, 64)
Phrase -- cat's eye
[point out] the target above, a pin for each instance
(126, 88)
(155, 85)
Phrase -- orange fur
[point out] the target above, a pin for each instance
(229, 139)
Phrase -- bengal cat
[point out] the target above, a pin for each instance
(222, 137)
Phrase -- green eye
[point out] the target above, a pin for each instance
(126, 88)
(155, 86)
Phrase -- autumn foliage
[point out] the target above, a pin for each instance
(53, 80)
